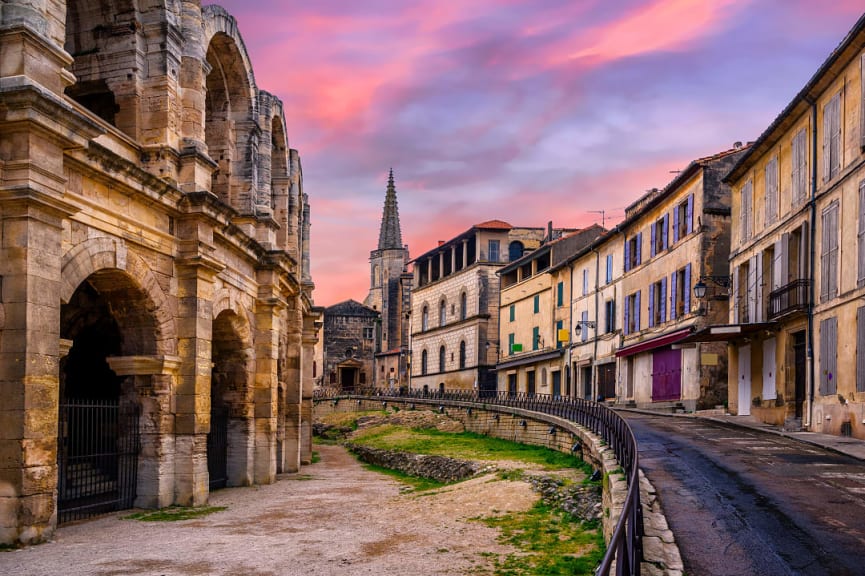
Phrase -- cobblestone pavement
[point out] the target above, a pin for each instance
(334, 518)
(741, 501)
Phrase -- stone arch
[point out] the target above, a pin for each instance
(96, 254)
(231, 132)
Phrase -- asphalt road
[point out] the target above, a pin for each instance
(744, 502)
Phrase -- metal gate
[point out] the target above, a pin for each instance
(217, 450)
(97, 458)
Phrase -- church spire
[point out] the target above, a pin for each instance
(390, 236)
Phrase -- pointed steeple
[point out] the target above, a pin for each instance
(390, 236)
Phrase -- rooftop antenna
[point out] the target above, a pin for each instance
(603, 219)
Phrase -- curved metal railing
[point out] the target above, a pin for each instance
(625, 546)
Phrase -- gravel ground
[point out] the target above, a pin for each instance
(334, 517)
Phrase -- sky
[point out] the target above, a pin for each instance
(526, 111)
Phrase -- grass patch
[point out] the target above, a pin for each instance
(174, 514)
(316, 457)
(549, 542)
(465, 445)
(417, 482)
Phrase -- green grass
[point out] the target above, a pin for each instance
(174, 514)
(465, 445)
(316, 457)
(549, 541)
(419, 483)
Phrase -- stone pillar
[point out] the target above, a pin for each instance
(305, 272)
(153, 380)
(309, 340)
(441, 264)
(265, 387)
(429, 270)
(465, 253)
(453, 259)
(294, 207)
(293, 384)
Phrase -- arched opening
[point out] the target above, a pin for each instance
(442, 312)
(442, 359)
(424, 318)
(99, 442)
(226, 104)
(423, 362)
(278, 158)
(463, 306)
(462, 354)
(515, 250)
(229, 442)
(105, 39)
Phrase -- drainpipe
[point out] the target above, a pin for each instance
(568, 376)
(595, 390)
(809, 359)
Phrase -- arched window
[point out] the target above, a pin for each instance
(463, 306)
(515, 250)
(442, 312)
(424, 318)
(462, 354)
(442, 359)
(423, 357)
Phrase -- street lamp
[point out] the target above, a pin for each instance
(583, 323)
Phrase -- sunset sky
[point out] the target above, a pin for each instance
(525, 111)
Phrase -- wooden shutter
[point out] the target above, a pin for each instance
(626, 329)
(686, 289)
(745, 223)
(860, 349)
(860, 276)
(689, 214)
(665, 224)
(771, 190)
(758, 315)
(828, 356)
(736, 295)
(777, 266)
(752, 289)
(651, 305)
(653, 229)
(637, 312)
(627, 254)
(769, 369)
(675, 224)
(784, 260)
(639, 248)
(827, 131)
(673, 295)
(835, 137)
(584, 333)
(663, 300)
(829, 253)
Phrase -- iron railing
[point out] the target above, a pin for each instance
(625, 546)
(790, 298)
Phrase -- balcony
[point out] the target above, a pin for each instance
(790, 299)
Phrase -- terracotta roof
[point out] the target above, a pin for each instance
(494, 225)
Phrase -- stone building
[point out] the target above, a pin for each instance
(349, 344)
(455, 304)
(154, 264)
(390, 294)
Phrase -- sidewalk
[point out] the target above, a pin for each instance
(852, 447)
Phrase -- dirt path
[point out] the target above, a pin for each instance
(333, 518)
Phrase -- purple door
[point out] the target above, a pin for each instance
(666, 375)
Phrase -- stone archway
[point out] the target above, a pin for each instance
(230, 442)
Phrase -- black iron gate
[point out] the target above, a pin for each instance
(217, 450)
(97, 458)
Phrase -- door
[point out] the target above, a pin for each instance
(557, 384)
(530, 383)
(347, 378)
(799, 370)
(586, 373)
(744, 380)
(769, 369)
(666, 375)
(607, 380)
(512, 384)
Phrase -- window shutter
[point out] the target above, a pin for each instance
(627, 254)
(835, 140)
(735, 297)
(651, 305)
(862, 101)
(752, 289)
(626, 327)
(771, 192)
(673, 295)
(777, 267)
(758, 287)
(860, 349)
(663, 299)
(654, 233)
(637, 311)
(675, 224)
(609, 268)
(825, 249)
(584, 333)
(828, 356)
(686, 288)
(860, 276)
(639, 248)
(784, 260)
(827, 138)
(665, 221)
(689, 214)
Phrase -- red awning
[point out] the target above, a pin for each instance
(664, 340)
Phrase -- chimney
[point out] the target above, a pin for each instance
(550, 230)
(441, 242)
(737, 144)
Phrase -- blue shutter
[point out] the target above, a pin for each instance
(637, 312)
(654, 233)
(687, 288)
(673, 296)
(689, 215)
(627, 315)
(651, 305)
(627, 253)
(675, 224)
(610, 263)
(584, 333)
(639, 248)
(664, 234)
(663, 299)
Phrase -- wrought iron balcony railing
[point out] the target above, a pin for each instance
(789, 299)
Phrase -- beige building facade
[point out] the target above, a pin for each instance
(798, 257)
(154, 264)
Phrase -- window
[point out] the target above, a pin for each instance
(683, 219)
(828, 356)
(424, 318)
(584, 321)
(442, 359)
(442, 312)
(494, 250)
(585, 281)
(515, 250)
(832, 137)
(530, 383)
(745, 214)
(537, 303)
(463, 306)
(680, 292)
(609, 276)
(462, 354)
(559, 339)
(512, 312)
(800, 167)
(536, 338)
(771, 190)
(658, 302)
(633, 251)
(423, 362)
(363, 377)
(367, 332)
(560, 294)
(632, 313)
(511, 344)
(609, 316)
(659, 235)
(829, 253)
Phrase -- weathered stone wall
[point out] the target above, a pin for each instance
(440, 468)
